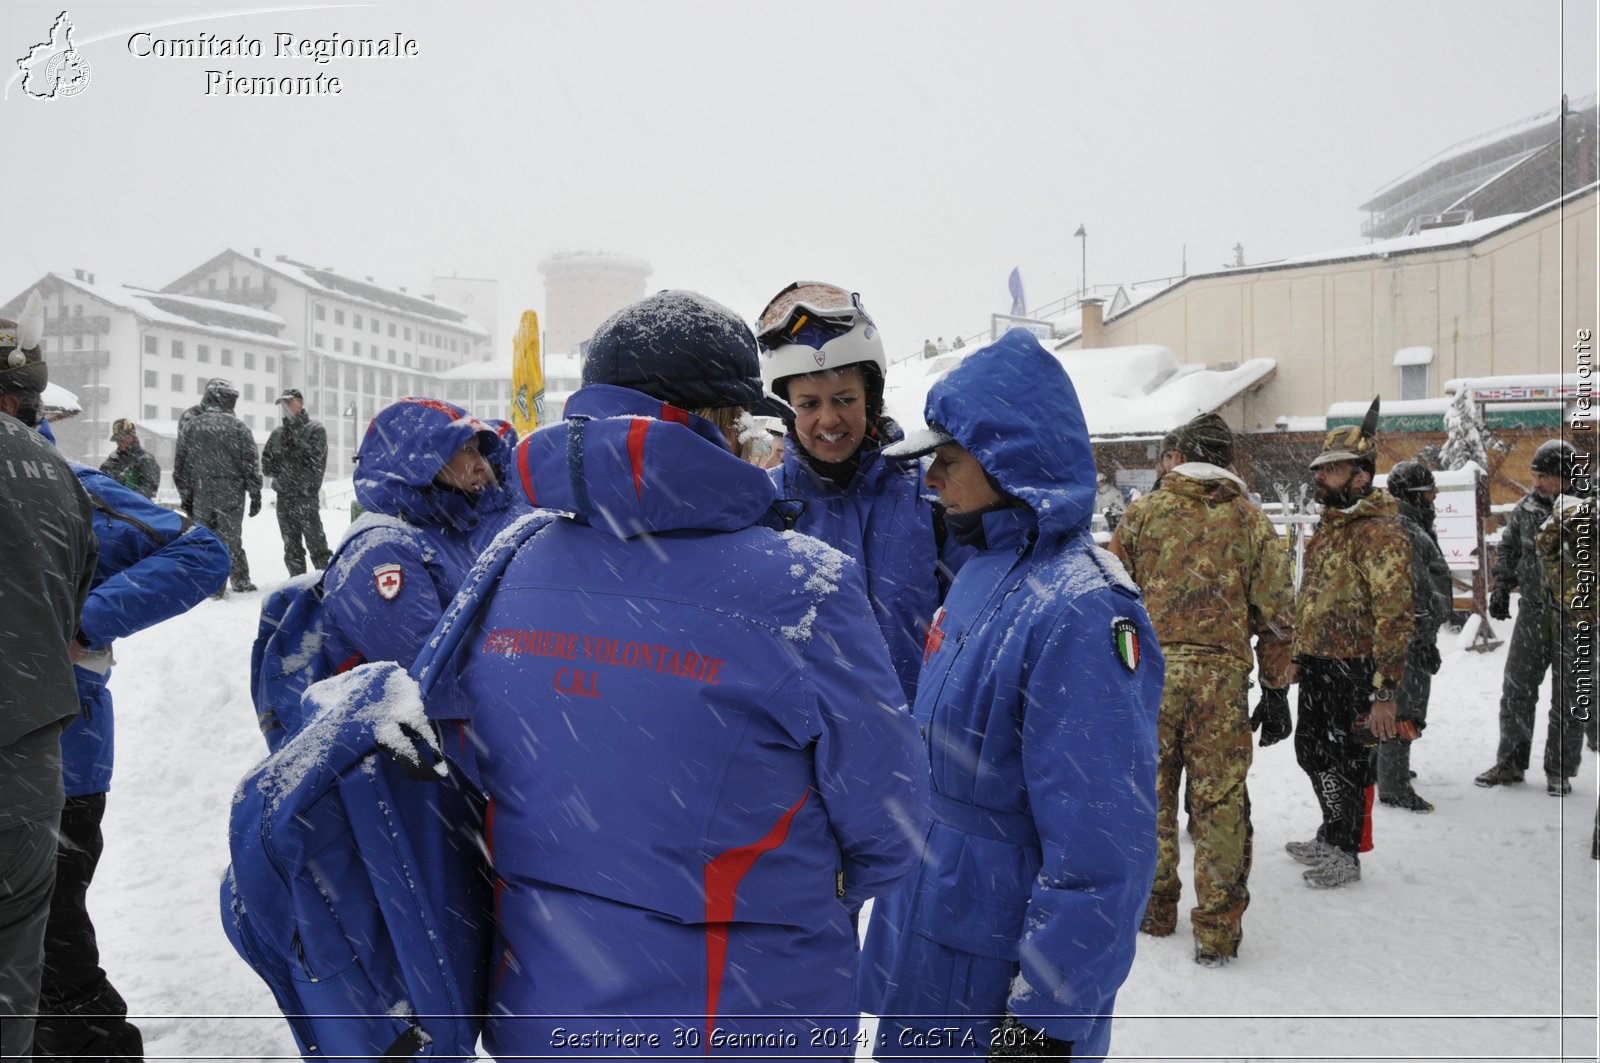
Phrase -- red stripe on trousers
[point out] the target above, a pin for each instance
(723, 875)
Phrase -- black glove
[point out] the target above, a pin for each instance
(1428, 657)
(1500, 603)
(186, 503)
(1016, 1041)
(255, 504)
(1272, 716)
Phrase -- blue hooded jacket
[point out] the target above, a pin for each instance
(402, 561)
(153, 564)
(1039, 695)
(884, 521)
(697, 755)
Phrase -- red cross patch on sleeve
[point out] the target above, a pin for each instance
(389, 579)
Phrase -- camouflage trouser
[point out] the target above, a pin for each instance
(225, 516)
(300, 519)
(1204, 730)
(1527, 659)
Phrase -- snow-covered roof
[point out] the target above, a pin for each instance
(58, 402)
(1519, 127)
(220, 306)
(493, 369)
(356, 291)
(1413, 356)
(135, 301)
(1140, 389)
(1357, 409)
(1517, 386)
(1427, 238)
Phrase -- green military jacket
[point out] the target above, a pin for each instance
(1355, 595)
(1212, 569)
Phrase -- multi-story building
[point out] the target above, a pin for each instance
(358, 345)
(581, 290)
(146, 355)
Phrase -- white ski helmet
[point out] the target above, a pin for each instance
(810, 327)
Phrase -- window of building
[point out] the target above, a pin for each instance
(200, 386)
(407, 361)
(452, 345)
(177, 382)
(338, 343)
(369, 380)
(244, 282)
(177, 348)
(320, 312)
(269, 363)
(77, 311)
(150, 345)
(391, 355)
(338, 317)
(1414, 365)
(176, 411)
(374, 326)
(233, 282)
(407, 336)
(249, 420)
(391, 330)
(249, 393)
(355, 348)
(227, 356)
(150, 413)
(152, 379)
(249, 359)
(211, 284)
(349, 378)
(202, 353)
(77, 341)
(355, 321)
(317, 339)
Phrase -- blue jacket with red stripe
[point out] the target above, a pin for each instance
(1039, 696)
(697, 753)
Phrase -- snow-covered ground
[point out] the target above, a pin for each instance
(1472, 935)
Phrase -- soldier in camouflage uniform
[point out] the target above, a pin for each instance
(1213, 572)
(217, 468)
(130, 464)
(1352, 628)
(1517, 567)
(1414, 489)
(296, 457)
(1566, 547)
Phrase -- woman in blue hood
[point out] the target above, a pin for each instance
(1038, 699)
(698, 759)
(823, 356)
(420, 474)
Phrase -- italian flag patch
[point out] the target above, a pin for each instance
(1125, 640)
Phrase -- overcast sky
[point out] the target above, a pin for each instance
(914, 152)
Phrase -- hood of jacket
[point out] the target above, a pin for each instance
(1201, 480)
(1013, 406)
(632, 465)
(1372, 504)
(406, 445)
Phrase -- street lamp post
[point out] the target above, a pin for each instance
(350, 412)
(1083, 278)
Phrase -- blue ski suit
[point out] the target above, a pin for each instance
(153, 564)
(884, 521)
(1039, 695)
(401, 561)
(698, 758)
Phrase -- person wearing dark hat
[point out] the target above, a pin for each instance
(1528, 658)
(822, 355)
(130, 464)
(698, 755)
(1352, 631)
(1414, 489)
(47, 563)
(1214, 574)
(1038, 702)
(216, 469)
(296, 457)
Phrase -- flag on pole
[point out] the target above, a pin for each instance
(1019, 304)
(527, 376)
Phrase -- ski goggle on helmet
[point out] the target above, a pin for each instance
(810, 327)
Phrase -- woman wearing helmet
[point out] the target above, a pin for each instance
(821, 353)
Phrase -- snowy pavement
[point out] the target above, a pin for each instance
(1471, 936)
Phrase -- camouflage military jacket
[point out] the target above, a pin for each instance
(1355, 595)
(1566, 548)
(1212, 569)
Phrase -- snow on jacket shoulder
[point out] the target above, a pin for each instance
(153, 564)
(1038, 698)
(690, 732)
(885, 523)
